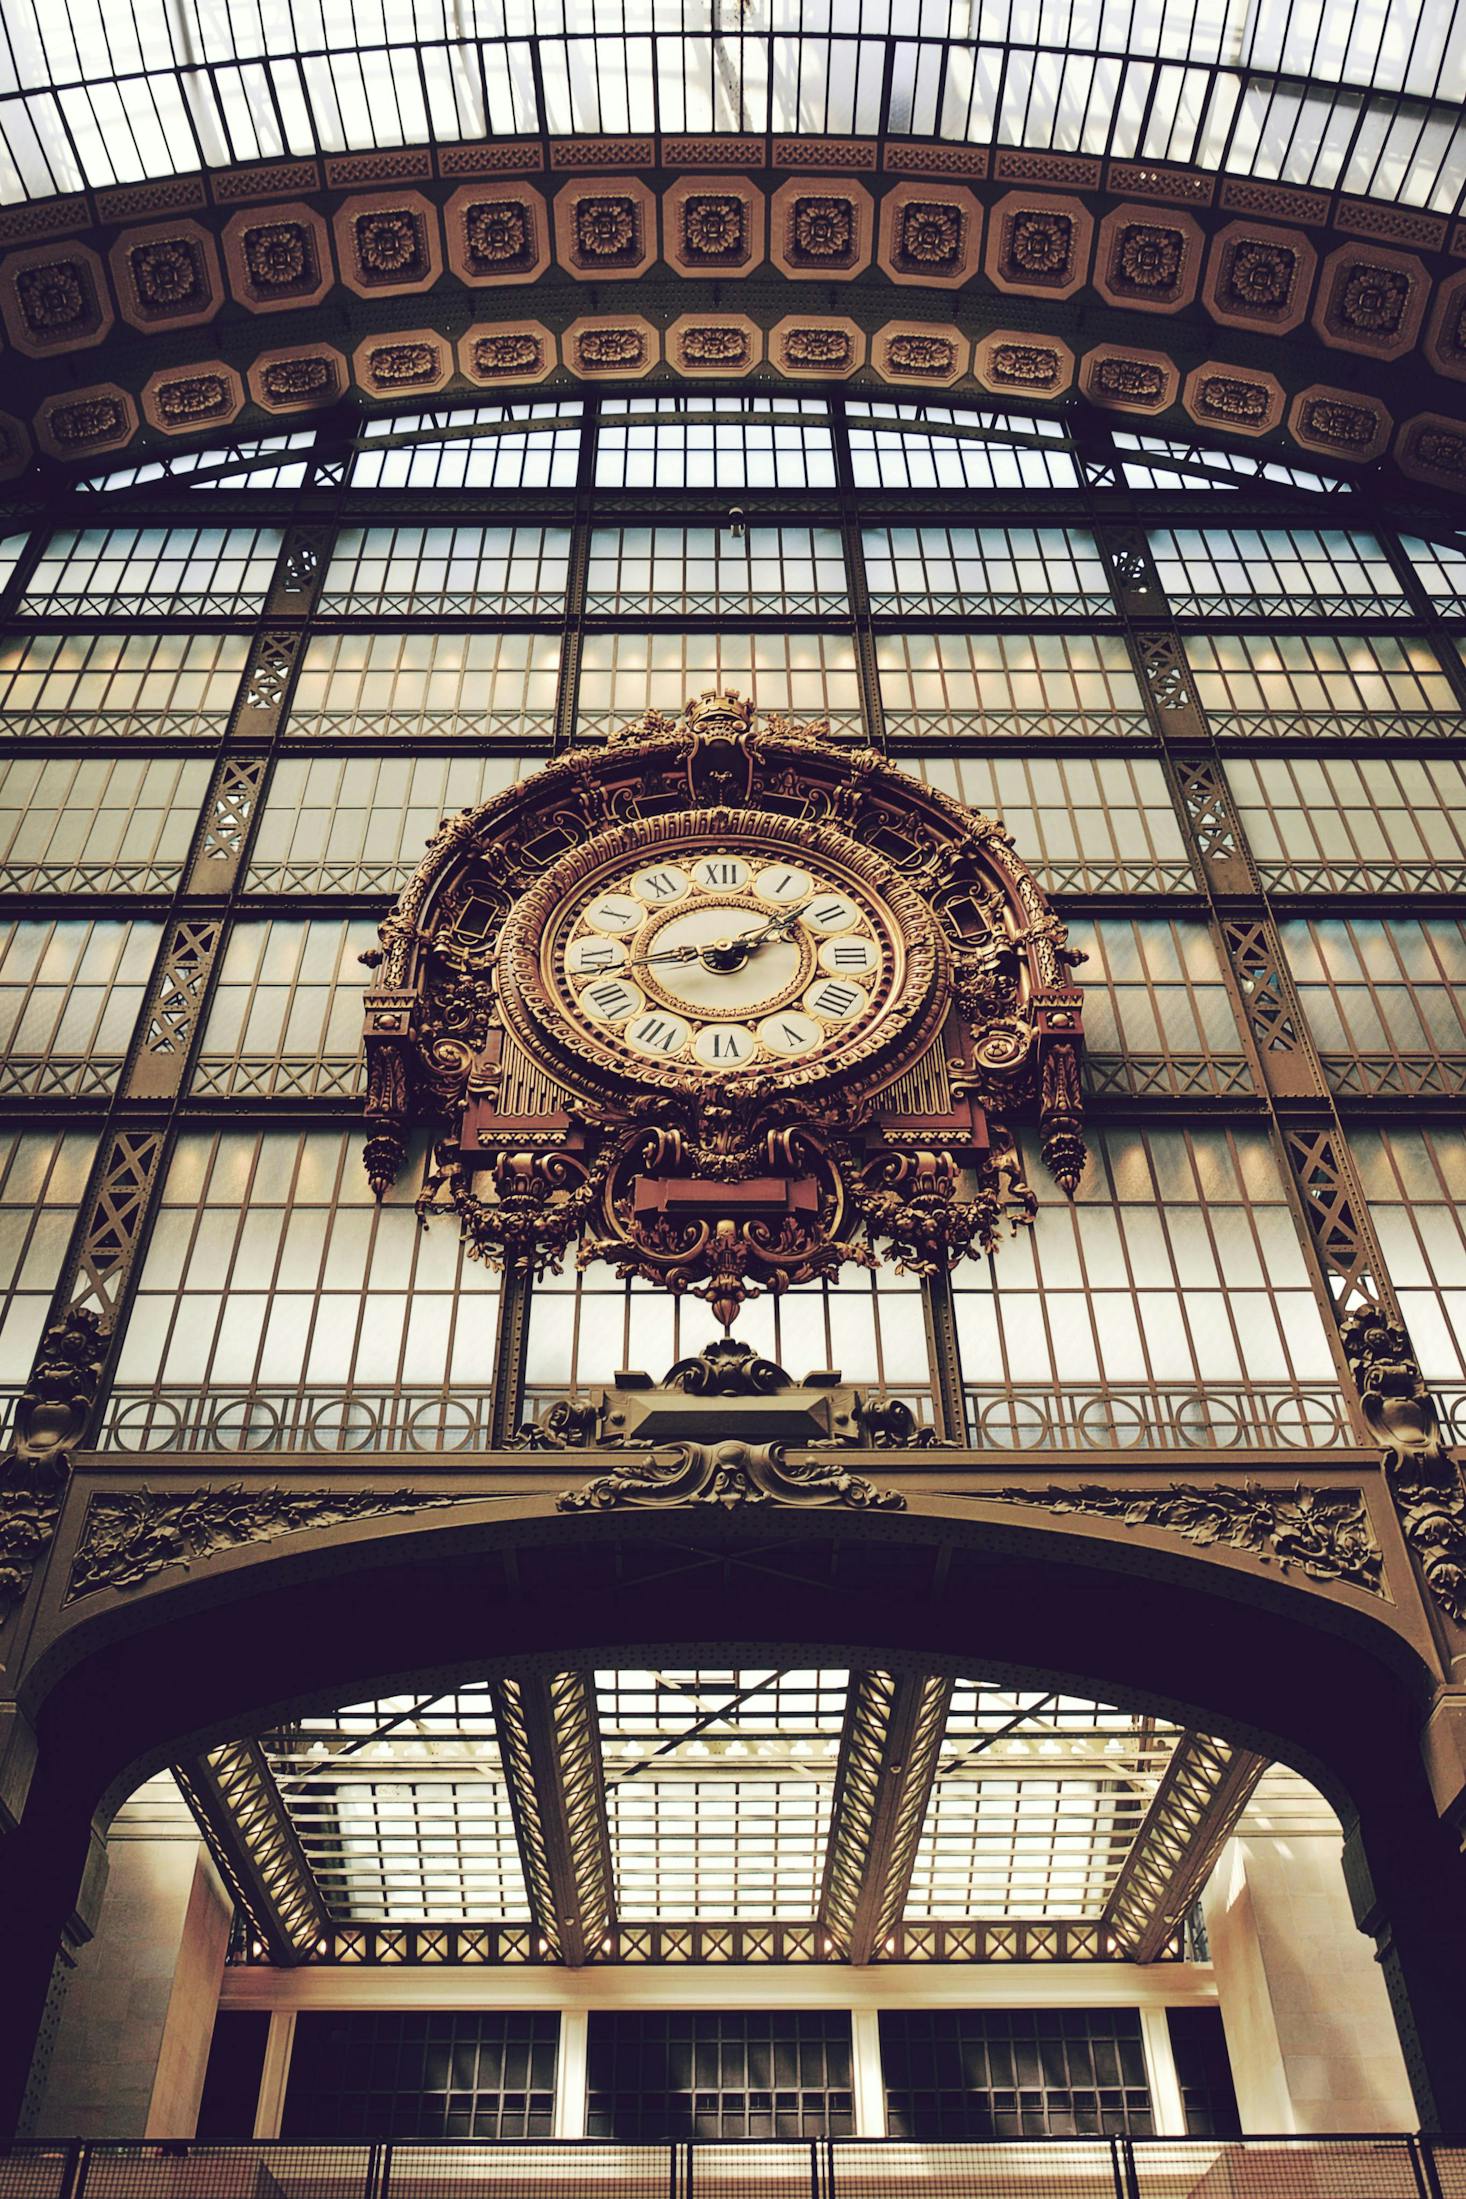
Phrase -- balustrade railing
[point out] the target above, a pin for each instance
(1362, 2167)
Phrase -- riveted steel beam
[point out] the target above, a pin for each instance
(550, 1747)
(894, 1724)
(233, 1795)
(1202, 1793)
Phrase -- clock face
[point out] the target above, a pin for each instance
(723, 958)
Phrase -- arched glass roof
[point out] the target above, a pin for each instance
(1363, 96)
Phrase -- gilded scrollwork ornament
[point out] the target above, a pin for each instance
(731, 1005)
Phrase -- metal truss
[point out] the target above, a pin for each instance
(233, 1795)
(894, 1723)
(1202, 1794)
(550, 1747)
(715, 1946)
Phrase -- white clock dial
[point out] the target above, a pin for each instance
(725, 1046)
(656, 1031)
(791, 1033)
(721, 874)
(827, 913)
(854, 956)
(592, 955)
(663, 882)
(783, 884)
(616, 912)
(611, 999)
(720, 961)
(684, 955)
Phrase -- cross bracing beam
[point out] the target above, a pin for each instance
(1202, 1793)
(233, 1795)
(549, 1745)
(894, 1723)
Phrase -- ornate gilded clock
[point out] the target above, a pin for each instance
(729, 1003)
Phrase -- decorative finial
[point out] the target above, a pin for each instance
(719, 711)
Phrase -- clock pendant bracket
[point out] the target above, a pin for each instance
(729, 1005)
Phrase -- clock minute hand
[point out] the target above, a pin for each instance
(743, 940)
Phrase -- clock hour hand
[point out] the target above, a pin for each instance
(668, 954)
(719, 954)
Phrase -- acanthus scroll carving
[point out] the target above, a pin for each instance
(127, 1539)
(50, 1420)
(1324, 1534)
(829, 1119)
(1424, 1478)
(729, 1475)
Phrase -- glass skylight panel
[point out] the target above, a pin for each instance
(69, 996)
(459, 570)
(1168, 464)
(998, 571)
(43, 1174)
(933, 447)
(402, 1808)
(681, 443)
(119, 683)
(718, 1787)
(257, 465)
(1415, 1181)
(98, 824)
(1442, 570)
(359, 824)
(285, 1018)
(157, 571)
(1304, 94)
(479, 447)
(691, 570)
(1037, 1800)
(1264, 572)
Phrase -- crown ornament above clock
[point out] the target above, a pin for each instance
(726, 1003)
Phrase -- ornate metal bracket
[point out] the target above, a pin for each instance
(1423, 1476)
(730, 1475)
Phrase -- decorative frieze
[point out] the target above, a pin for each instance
(1323, 1533)
(129, 1538)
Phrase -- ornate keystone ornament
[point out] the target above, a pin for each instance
(50, 1420)
(1423, 1476)
(731, 1475)
(731, 1004)
(728, 1391)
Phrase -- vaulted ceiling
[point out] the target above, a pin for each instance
(1237, 218)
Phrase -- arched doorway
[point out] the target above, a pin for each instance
(1332, 1690)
